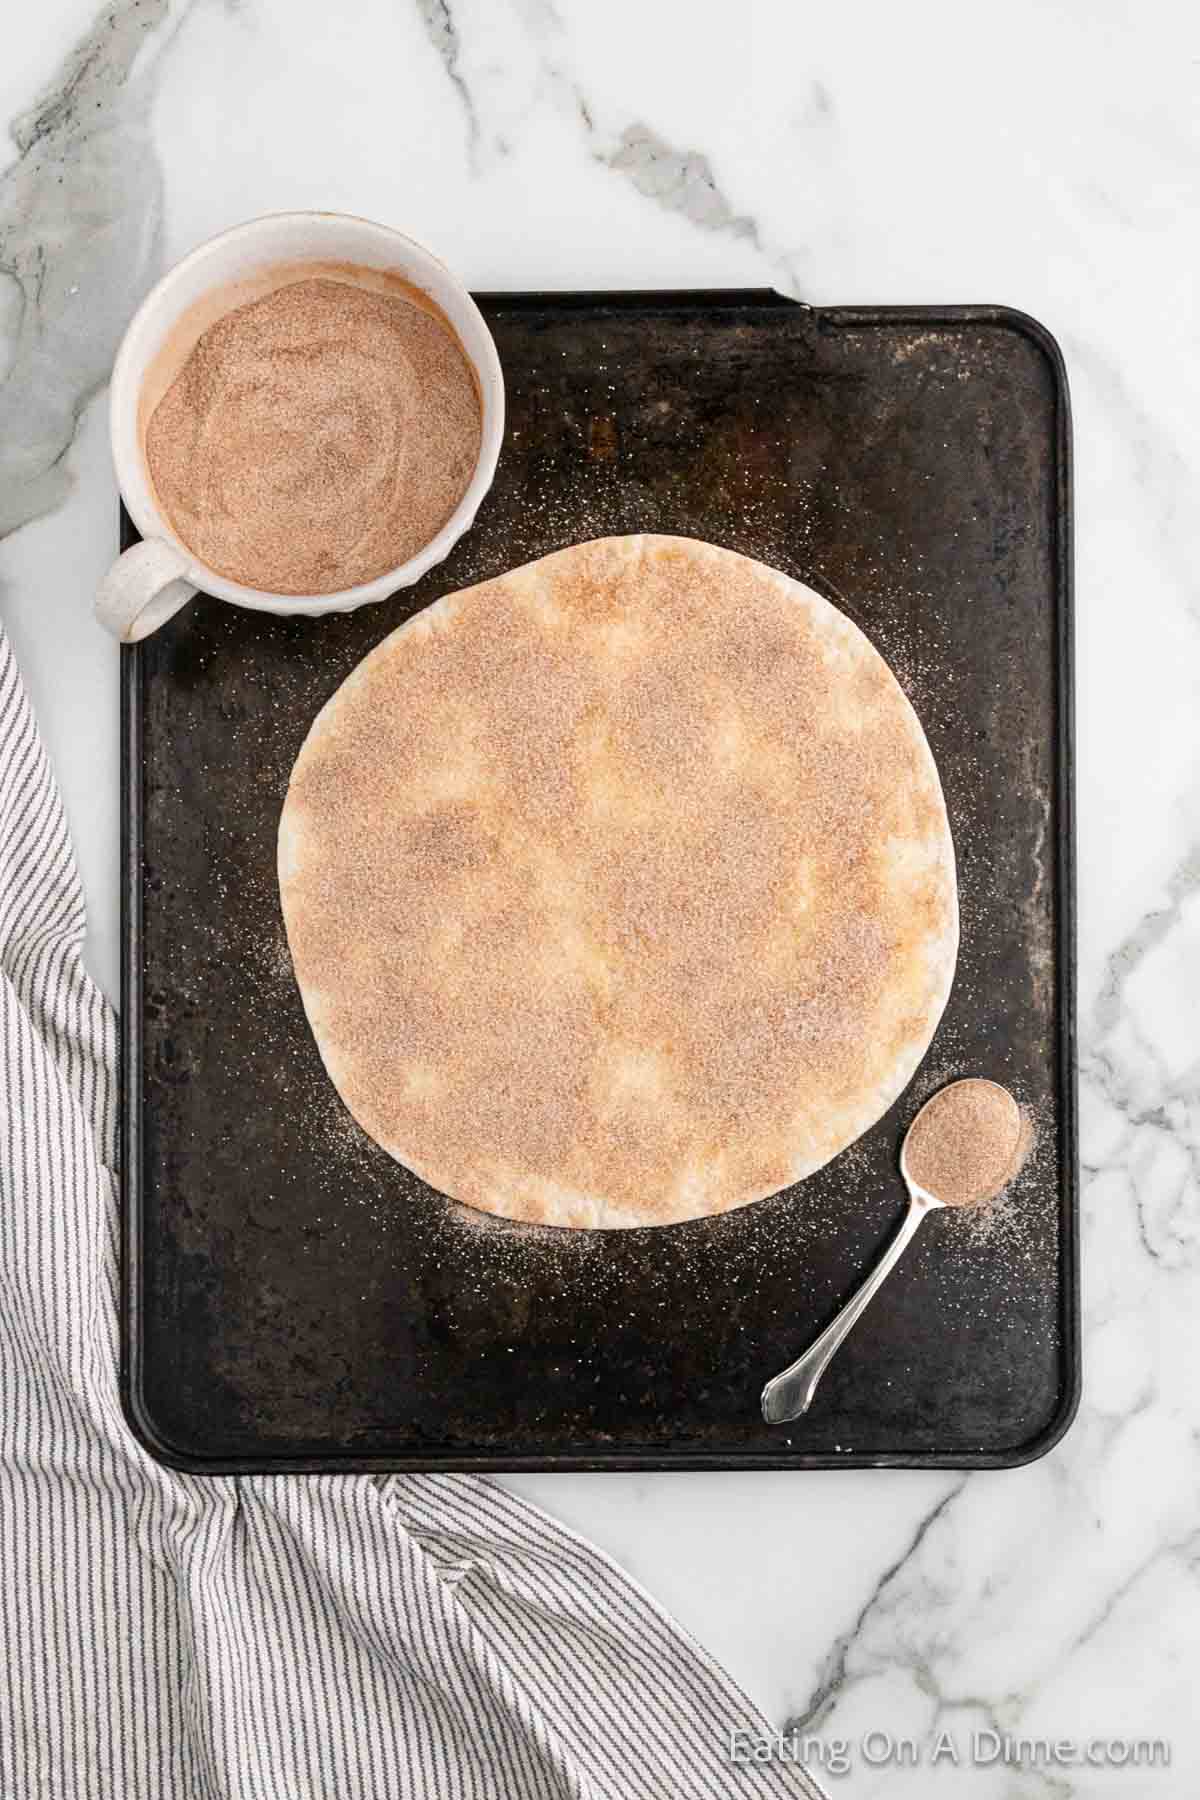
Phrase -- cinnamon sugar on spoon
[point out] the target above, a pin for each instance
(967, 1143)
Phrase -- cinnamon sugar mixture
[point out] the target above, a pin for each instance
(967, 1143)
(316, 438)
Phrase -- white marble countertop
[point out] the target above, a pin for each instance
(1043, 156)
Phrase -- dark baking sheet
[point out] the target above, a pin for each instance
(295, 1300)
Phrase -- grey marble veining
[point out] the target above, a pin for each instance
(840, 1669)
(678, 179)
(442, 31)
(79, 225)
(1153, 1108)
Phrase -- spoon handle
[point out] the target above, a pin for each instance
(789, 1394)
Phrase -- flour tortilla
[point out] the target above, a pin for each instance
(620, 889)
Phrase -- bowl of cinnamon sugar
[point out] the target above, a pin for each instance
(305, 413)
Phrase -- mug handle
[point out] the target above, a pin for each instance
(143, 589)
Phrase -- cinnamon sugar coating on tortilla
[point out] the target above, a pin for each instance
(620, 889)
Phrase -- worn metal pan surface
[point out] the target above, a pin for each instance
(295, 1300)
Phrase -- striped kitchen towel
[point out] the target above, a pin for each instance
(319, 1638)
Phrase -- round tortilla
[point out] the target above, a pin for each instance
(620, 889)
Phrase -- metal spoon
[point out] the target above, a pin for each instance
(790, 1393)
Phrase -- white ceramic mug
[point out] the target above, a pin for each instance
(153, 579)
